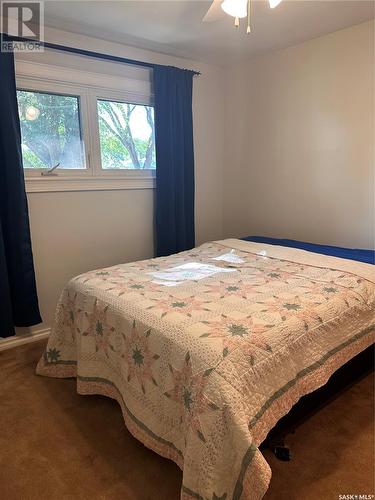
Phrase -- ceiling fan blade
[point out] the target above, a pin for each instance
(215, 12)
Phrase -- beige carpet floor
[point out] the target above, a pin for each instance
(55, 444)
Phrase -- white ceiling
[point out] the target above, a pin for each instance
(174, 26)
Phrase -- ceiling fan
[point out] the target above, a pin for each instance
(236, 8)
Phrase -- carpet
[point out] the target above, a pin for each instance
(55, 444)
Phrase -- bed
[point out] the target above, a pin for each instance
(207, 350)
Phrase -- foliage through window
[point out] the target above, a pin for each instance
(127, 136)
(51, 130)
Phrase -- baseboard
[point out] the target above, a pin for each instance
(18, 340)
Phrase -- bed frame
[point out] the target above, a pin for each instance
(341, 380)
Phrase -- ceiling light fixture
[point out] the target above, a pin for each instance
(240, 9)
(235, 8)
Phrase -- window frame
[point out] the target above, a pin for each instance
(28, 85)
(112, 95)
(54, 80)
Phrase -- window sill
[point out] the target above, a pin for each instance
(56, 184)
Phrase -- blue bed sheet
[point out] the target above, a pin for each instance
(367, 256)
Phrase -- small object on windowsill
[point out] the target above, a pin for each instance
(51, 171)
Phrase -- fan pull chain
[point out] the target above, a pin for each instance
(237, 22)
(248, 31)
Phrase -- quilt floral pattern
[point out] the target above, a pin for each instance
(204, 368)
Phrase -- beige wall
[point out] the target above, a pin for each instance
(73, 232)
(299, 157)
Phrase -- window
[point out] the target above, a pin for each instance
(126, 135)
(50, 130)
(86, 134)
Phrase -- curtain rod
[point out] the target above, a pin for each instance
(89, 53)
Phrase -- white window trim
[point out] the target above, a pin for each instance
(89, 87)
(57, 184)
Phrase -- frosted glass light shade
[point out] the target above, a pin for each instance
(235, 8)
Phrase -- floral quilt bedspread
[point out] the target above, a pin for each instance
(207, 349)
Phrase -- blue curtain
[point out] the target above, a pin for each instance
(173, 88)
(18, 298)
